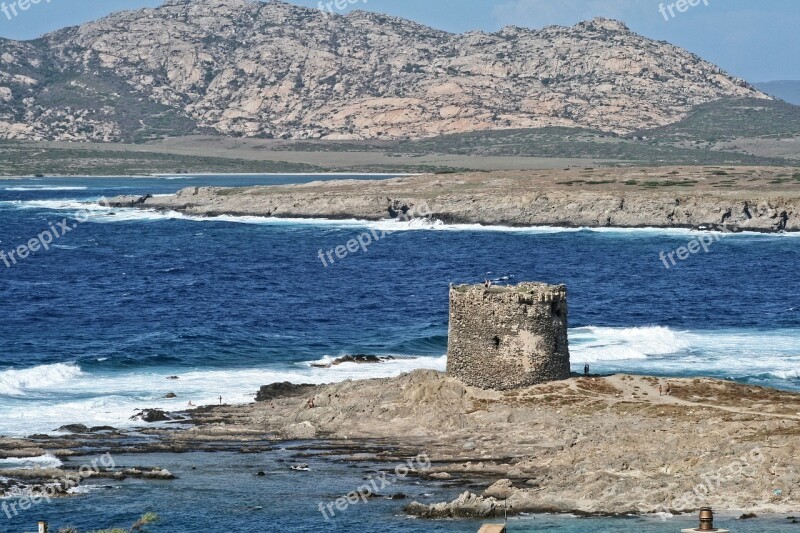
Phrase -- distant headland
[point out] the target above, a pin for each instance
(760, 199)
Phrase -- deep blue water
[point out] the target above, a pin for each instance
(91, 328)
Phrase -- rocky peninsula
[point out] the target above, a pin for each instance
(588, 445)
(761, 199)
(599, 445)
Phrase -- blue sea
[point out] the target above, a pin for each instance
(92, 327)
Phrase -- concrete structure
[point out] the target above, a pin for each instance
(508, 337)
(493, 528)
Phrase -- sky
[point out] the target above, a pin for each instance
(757, 40)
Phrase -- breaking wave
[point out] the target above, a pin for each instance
(592, 344)
(42, 461)
(100, 214)
(45, 188)
(15, 382)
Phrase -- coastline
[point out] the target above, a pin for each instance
(587, 446)
(762, 200)
(524, 444)
(205, 174)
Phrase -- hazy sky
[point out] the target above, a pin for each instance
(755, 39)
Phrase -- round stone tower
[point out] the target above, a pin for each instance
(508, 337)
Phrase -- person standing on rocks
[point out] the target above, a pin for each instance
(586, 369)
(669, 389)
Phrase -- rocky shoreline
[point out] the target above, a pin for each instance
(759, 199)
(593, 445)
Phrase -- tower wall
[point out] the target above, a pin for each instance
(508, 337)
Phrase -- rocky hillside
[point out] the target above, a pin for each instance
(247, 68)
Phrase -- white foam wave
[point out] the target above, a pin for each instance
(785, 374)
(326, 360)
(16, 382)
(110, 399)
(592, 344)
(83, 489)
(55, 205)
(42, 461)
(101, 214)
(98, 213)
(35, 405)
(45, 188)
(725, 353)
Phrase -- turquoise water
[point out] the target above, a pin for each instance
(220, 492)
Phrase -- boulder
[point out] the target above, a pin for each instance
(467, 505)
(103, 429)
(158, 473)
(127, 200)
(362, 359)
(73, 428)
(152, 415)
(303, 430)
(502, 489)
(145, 473)
(281, 390)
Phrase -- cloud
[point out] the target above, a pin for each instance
(540, 13)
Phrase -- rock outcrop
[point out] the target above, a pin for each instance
(281, 390)
(749, 198)
(153, 415)
(589, 445)
(253, 69)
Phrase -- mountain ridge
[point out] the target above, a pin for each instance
(786, 90)
(275, 70)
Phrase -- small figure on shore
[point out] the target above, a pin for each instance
(191, 404)
(586, 369)
(220, 400)
(660, 389)
(310, 403)
(487, 284)
(668, 389)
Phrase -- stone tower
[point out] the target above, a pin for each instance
(508, 337)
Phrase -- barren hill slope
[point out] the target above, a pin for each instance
(246, 68)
